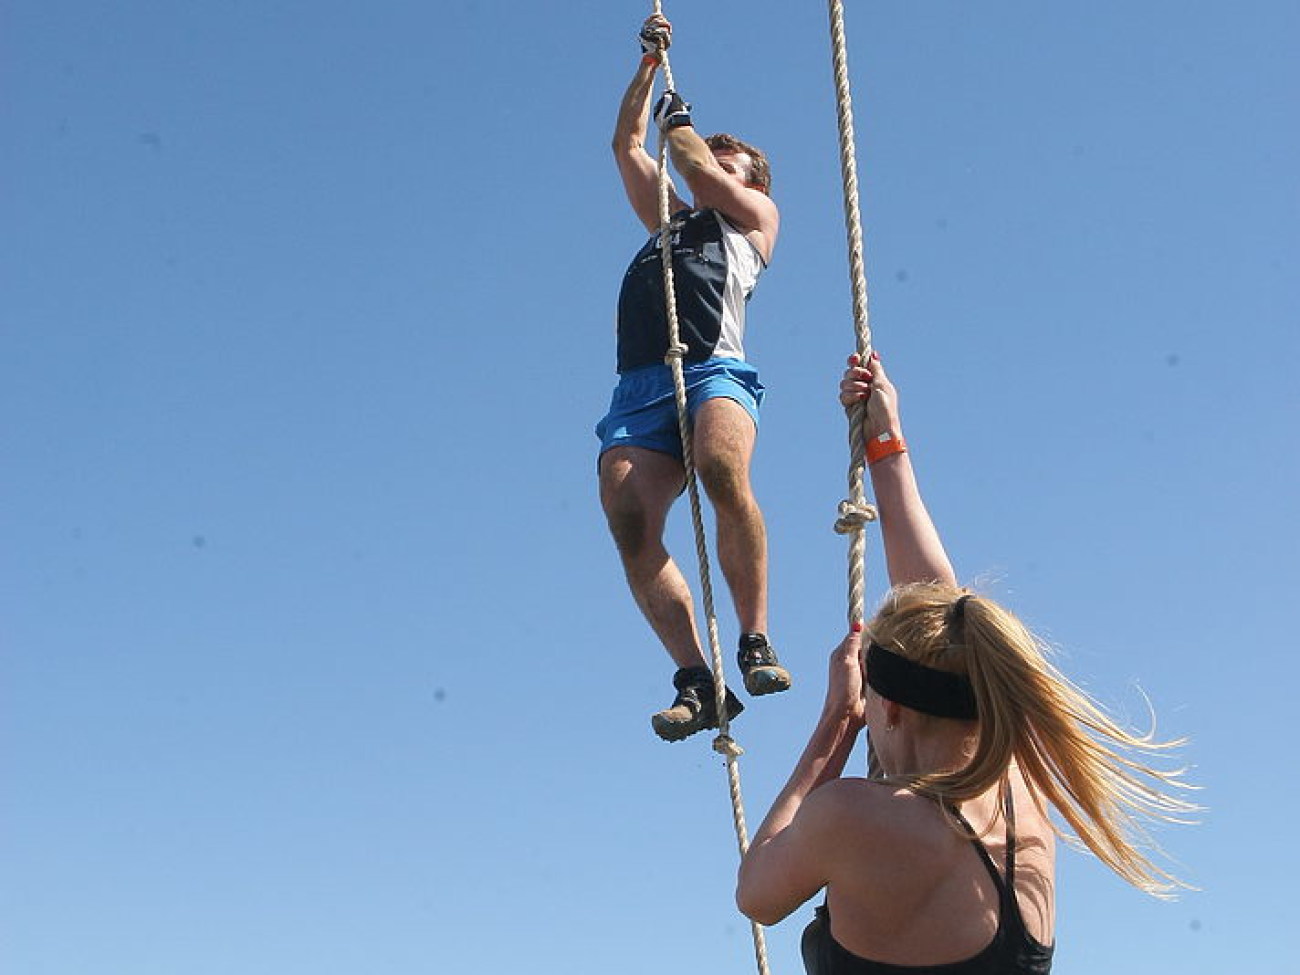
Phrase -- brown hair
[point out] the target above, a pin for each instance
(1074, 755)
(760, 171)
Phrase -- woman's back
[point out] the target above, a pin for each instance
(915, 891)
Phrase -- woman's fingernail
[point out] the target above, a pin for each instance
(857, 627)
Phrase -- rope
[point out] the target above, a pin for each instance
(855, 512)
(724, 744)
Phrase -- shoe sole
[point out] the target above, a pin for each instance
(670, 731)
(767, 680)
(681, 730)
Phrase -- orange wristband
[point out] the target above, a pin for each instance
(651, 59)
(884, 445)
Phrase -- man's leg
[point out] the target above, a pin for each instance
(724, 446)
(637, 487)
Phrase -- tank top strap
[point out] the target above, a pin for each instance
(983, 852)
(1010, 810)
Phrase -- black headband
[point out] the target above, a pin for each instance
(921, 688)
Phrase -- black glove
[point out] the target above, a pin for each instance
(670, 111)
(655, 38)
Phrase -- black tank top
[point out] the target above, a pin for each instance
(1013, 950)
(715, 269)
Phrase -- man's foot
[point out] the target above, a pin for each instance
(695, 707)
(763, 674)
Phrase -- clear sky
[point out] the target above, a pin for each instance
(317, 659)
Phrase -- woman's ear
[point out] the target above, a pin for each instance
(893, 713)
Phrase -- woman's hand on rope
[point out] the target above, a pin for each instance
(844, 688)
(870, 383)
(656, 36)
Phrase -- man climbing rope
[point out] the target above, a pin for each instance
(720, 245)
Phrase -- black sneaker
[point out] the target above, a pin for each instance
(763, 674)
(694, 708)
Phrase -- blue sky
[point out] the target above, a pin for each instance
(316, 656)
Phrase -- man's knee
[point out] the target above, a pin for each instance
(630, 519)
(726, 480)
(636, 490)
(629, 524)
(723, 447)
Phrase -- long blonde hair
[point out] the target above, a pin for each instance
(1075, 756)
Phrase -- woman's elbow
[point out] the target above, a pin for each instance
(752, 903)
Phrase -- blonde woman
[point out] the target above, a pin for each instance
(945, 862)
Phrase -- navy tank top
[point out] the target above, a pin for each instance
(1013, 950)
(715, 268)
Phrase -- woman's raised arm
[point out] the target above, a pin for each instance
(913, 550)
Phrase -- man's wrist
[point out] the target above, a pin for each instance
(671, 112)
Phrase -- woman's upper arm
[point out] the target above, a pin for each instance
(785, 871)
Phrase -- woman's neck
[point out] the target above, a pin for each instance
(926, 754)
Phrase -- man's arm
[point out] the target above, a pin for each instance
(639, 170)
(749, 209)
(913, 550)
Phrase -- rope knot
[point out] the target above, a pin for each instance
(853, 517)
(676, 350)
(726, 745)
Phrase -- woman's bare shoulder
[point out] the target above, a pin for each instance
(873, 808)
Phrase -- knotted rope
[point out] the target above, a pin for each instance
(724, 744)
(855, 512)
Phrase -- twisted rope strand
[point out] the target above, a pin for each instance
(861, 317)
(724, 744)
(855, 512)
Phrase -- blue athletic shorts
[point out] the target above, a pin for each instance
(643, 409)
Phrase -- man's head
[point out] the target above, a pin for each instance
(750, 161)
